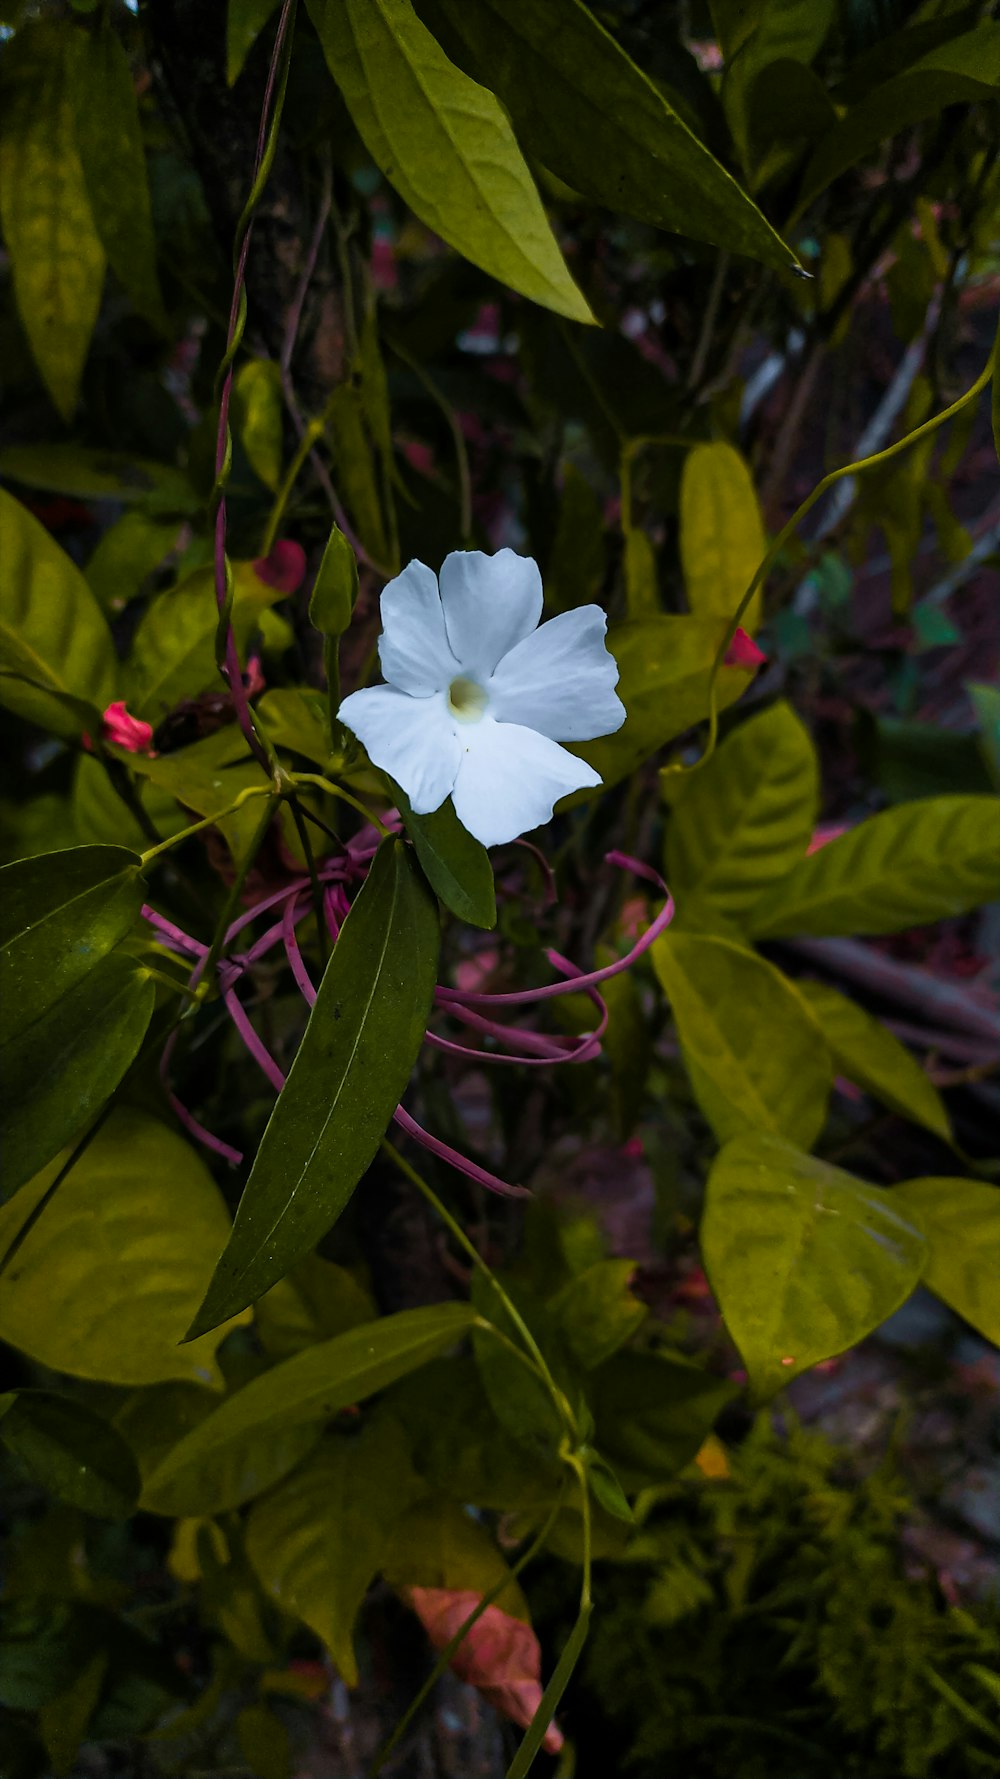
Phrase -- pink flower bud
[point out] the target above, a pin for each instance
(284, 568)
(123, 730)
(743, 652)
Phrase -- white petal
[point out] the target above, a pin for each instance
(490, 603)
(413, 739)
(510, 779)
(413, 647)
(561, 679)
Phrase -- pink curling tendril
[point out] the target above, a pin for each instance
(526, 1047)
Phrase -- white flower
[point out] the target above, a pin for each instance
(479, 696)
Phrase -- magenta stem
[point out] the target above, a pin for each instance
(444, 1152)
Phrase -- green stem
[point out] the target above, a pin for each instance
(209, 821)
(559, 1401)
(334, 790)
(317, 888)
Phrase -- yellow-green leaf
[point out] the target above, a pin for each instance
(961, 1219)
(445, 143)
(106, 1282)
(109, 137)
(756, 1058)
(56, 254)
(258, 417)
(722, 533)
(867, 1053)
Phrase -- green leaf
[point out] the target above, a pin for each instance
(653, 1411)
(128, 553)
(106, 1281)
(664, 665)
(295, 717)
(744, 820)
(173, 651)
(965, 70)
(56, 254)
(437, 1545)
(642, 597)
(61, 913)
(596, 1311)
(318, 1541)
(351, 1068)
(354, 457)
(310, 1388)
(258, 417)
(331, 606)
(460, 1448)
(754, 1055)
(109, 139)
(245, 20)
(922, 861)
(445, 144)
(72, 1452)
(722, 538)
(456, 866)
(867, 1054)
(520, 1399)
(985, 699)
(52, 631)
(155, 1420)
(804, 1259)
(100, 475)
(58, 1073)
(63, 1720)
(316, 1301)
(584, 108)
(961, 1220)
(576, 565)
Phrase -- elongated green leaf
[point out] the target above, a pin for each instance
(56, 254)
(587, 111)
(75, 1454)
(867, 1054)
(756, 1059)
(100, 475)
(52, 631)
(966, 69)
(921, 861)
(59, 1071)
(173, 652)
(60, 914)
(155, 1419)
(245, 20)
(106, 1281)
(653, 1412)
(318, 1541)
(961, 1219)
(258, 416)
(722, 534)
(445, 144)
(456, 866)
(313, 1386)
(351, 1068)
(109, 138)
(664, 666)
(744, 820)
(804, 1259)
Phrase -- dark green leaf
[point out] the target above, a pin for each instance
(445, 144)
(588, 112)
(60, 914)
(312, 1387)
(596, 1311)
(318, 1541)
(744, 820)
(456, 866)
(653, 1411)
(804, 1259)
(52, 631)
(109, 138)
(128, 553)
(72, 1452)
(59, 1071)
(922, 861)
(755, 1056)
(99, 475)
(352, 1066)
(245, 20)
(56, 254)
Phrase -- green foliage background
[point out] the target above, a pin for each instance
(697, 306)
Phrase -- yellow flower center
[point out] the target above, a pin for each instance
(467, 700)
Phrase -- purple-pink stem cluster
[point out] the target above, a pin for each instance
(471, 1008)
